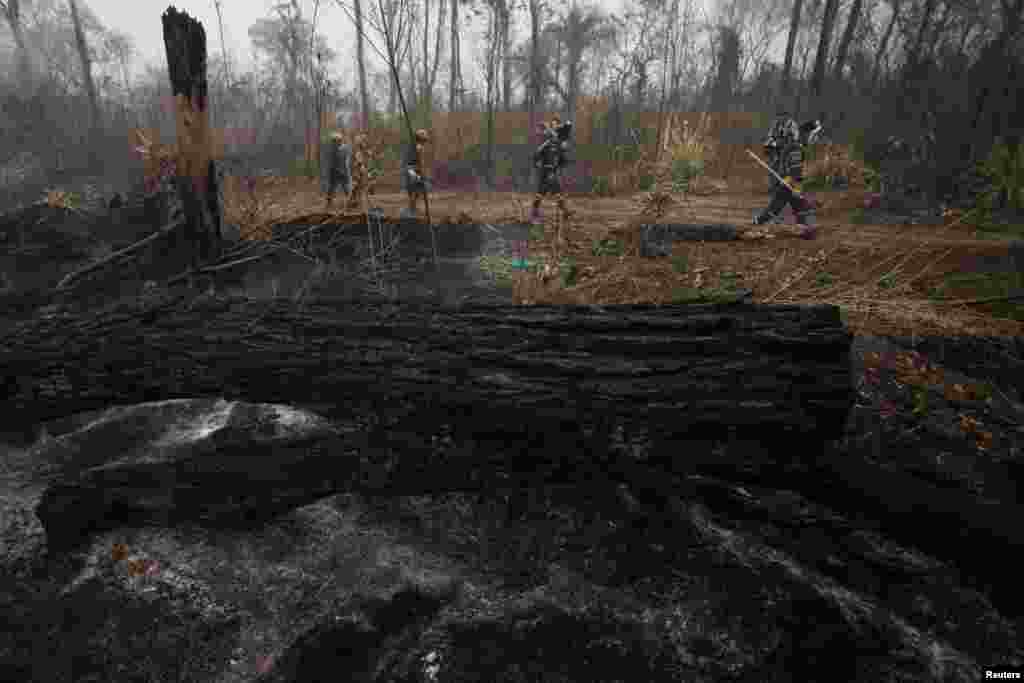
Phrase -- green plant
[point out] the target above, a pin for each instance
(681, 264)
(920, 400)
(887, 281)
(824, 279)
(304, 167)
(685, 170)
(1005, 167)
(536, 233)
(728, 280)
(646, 182)
(692, 295)
(607, 247)
(858, 216)
(497, 267)
(568, 271)
(872, 178)
(602, 186)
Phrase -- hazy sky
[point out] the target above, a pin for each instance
(141, 20)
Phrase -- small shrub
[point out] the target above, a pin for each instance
(887, 282)
(681, 264)
(691, 295)
(728, 280)
(646, 182)
(607, 247)
(568, 272)
(602, 186)
(304, 167)
(1005, 166)
(536, 233)
(685, 170)
(824, 279)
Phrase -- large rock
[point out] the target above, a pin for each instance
(204, 460)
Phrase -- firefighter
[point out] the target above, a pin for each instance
(416, 182)
(337, 167)
(549, 159)
(784, 148)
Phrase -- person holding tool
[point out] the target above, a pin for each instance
(784, 148)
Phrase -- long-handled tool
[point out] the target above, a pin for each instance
(782, 180)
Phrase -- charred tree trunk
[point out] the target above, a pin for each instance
(828, 23)
(847, 40)
(787, 67)
(197, 179)
(11, 10)
(680, 372)
(83, 55)
(364, 93)
(880, 52)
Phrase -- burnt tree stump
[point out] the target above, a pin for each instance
(196, 175)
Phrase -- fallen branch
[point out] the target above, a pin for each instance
(130, 250)
(986, 300)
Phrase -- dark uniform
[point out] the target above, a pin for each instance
(337, 168)
(416, 183)
(549, 159)
(907, 167)
(786, 157)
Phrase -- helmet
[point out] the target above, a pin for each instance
(563, 131)
(811, 131)
(422, 135)
(784, 131)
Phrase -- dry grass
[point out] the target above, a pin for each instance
(836, 161)
(882, 277)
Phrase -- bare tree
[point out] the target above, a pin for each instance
(505, 28)
(83, 55)
(428, 75)
(455, 68)
(794, 29)
(535, 8)
(580, 30)
(915, 51)
(844, 43)
(12, 13)
(828, 22)
(728, 68)
(884, 44)
(364, 93)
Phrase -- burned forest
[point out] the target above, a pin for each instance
(436, 341)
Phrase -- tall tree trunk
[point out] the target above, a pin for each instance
(364, 93)
(83, 56)
(535, 75)
(787, 66)
(828, 22)
(492, 77)
(939, 31)
(12, 13)
(455, 75)
(884, 44)
(847, 39)
(424, 105)
(914, 54)
(432, 81)
(198, 185)
(506, 49)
